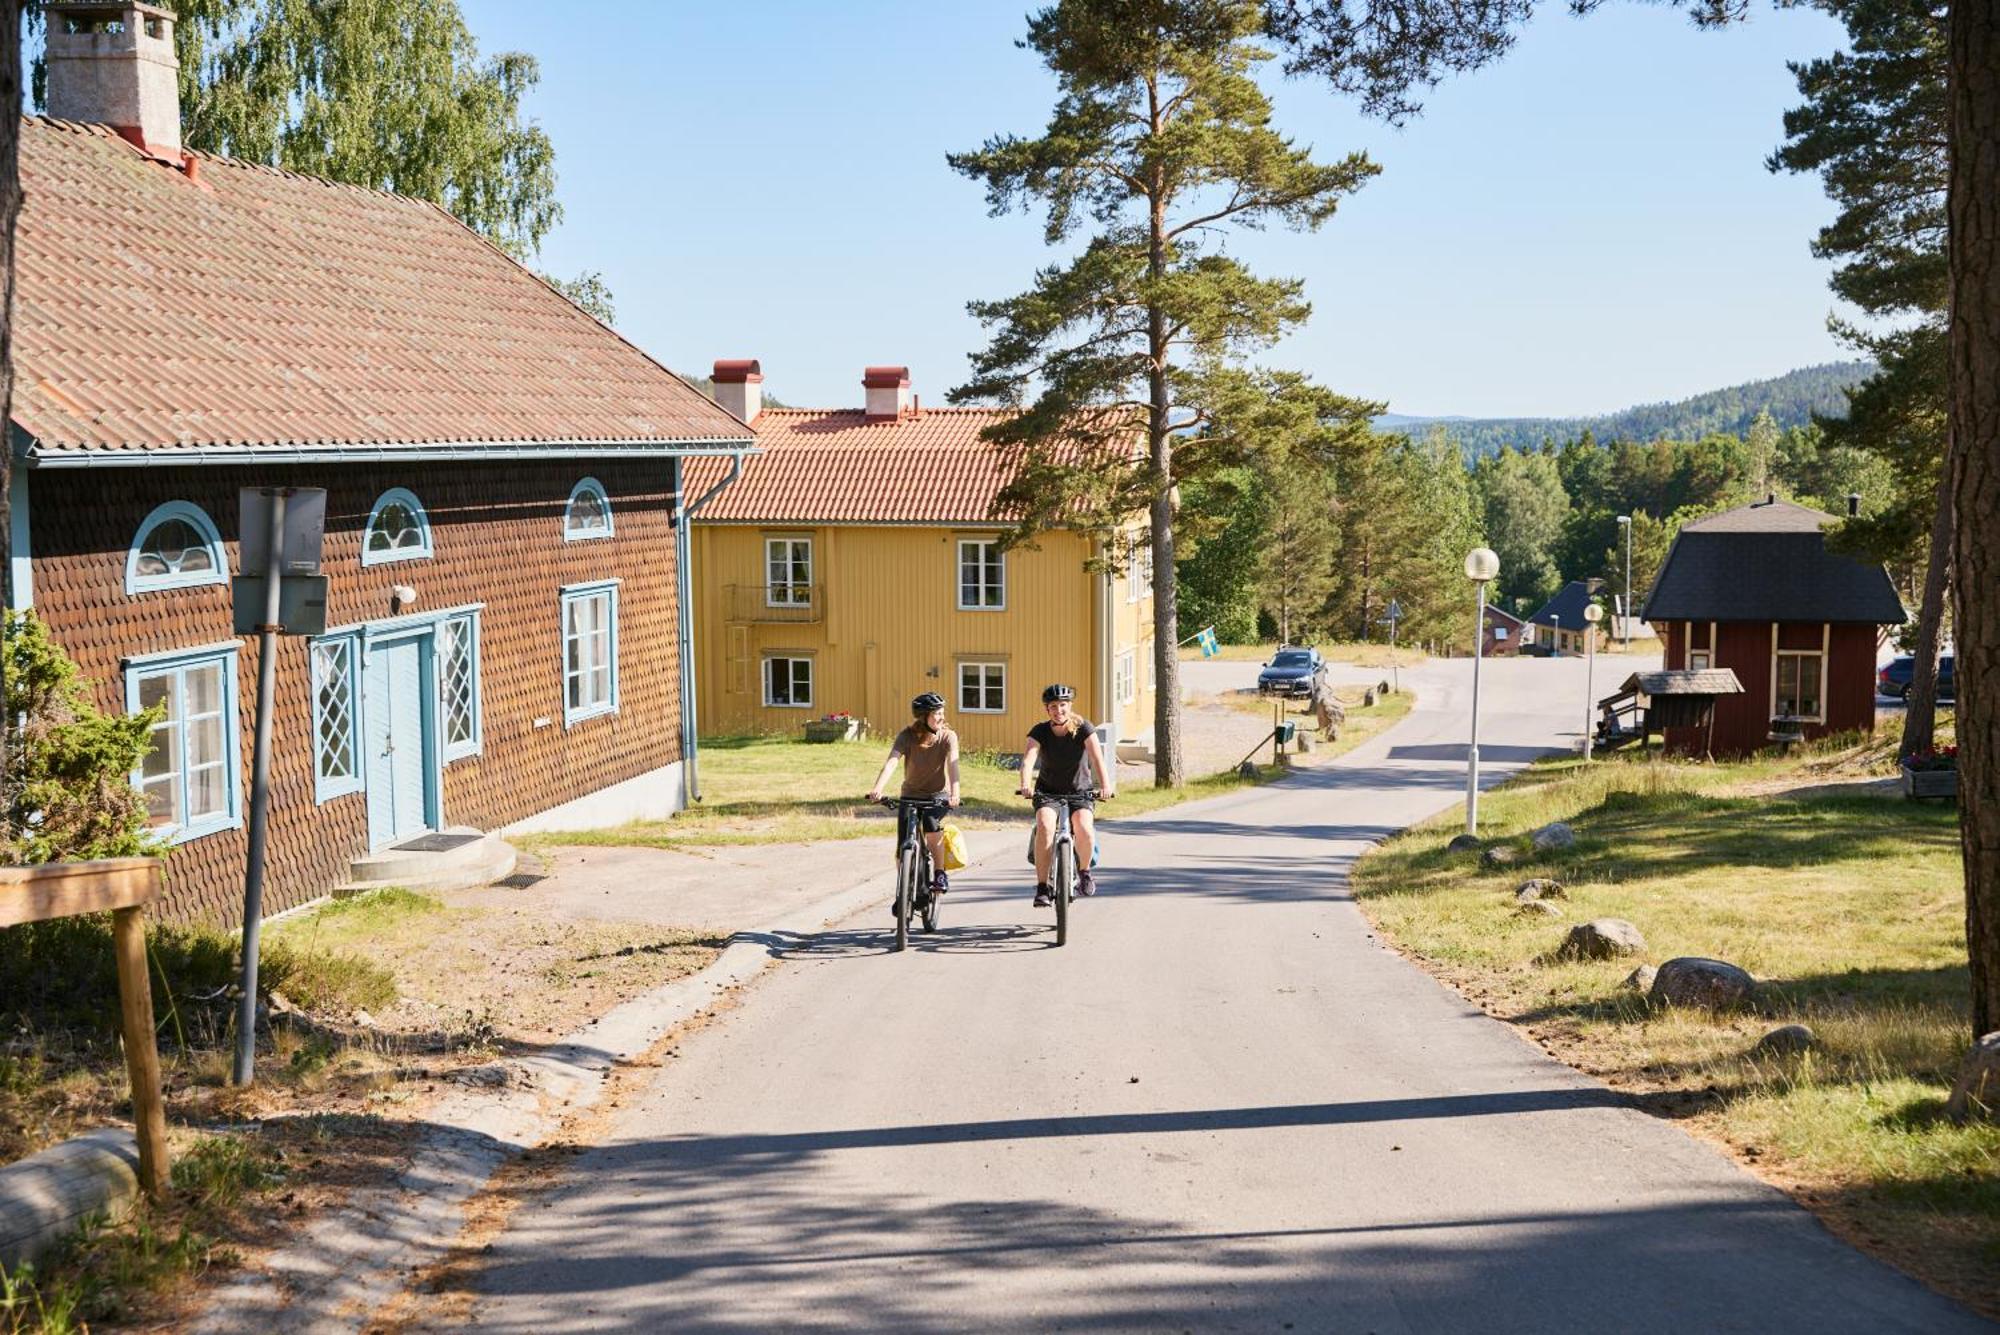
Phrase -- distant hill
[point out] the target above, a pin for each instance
(1792, 400)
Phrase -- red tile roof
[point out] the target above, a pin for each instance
(253, 308)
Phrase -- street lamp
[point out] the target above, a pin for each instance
(1625, 522)
(1592, 614)
(1481, 566)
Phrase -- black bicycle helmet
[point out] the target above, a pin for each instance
(925, 703)
(1051, 694)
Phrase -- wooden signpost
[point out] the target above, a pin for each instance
(123, 887)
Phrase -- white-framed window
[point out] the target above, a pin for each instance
(982, 688)
(788, 572)
(191, 779)
(458, 683)
(982, 575)
(1698, 660)
(1499, 634)
(590, 650)
(1800, 678)
(1125, 677)
(1142, 566)
(588, 513)
(336, 693)
(788, 681)
(176, 547)
(398, 529)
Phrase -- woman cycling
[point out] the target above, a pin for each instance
(929, 752)
(1061, 745)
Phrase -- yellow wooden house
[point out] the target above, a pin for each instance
(853, 565)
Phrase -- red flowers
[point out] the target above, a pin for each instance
(1932, 758)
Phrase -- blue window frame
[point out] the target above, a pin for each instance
(458, 685)
(398, 529)
(176, 547)
(192, 778)
(588, 514)
(336, 694)
(590, 650)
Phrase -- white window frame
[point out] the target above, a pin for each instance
(812, 684)
(958, 581)
(450, 750)
(1143, 563)
(1699, 660)
(991, 672)
(1125, 677)
(195, 518)
(790, 592)
(397, 496)
(326, 787)
(177, 664)
(572, 596)
(1777, 686)
(577, 533)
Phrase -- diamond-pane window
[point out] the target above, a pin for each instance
(398, 529)
(458, 685)
(334, 717)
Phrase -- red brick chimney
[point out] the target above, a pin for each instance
(739, 387)
(111, 62)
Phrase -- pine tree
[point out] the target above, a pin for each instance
(1161, 136)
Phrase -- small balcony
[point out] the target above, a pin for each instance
(785, 603)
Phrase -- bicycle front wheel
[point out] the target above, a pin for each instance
(1065, 886)
(927, 874)
(906, 877)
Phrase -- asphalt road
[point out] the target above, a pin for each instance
(1222, 1106)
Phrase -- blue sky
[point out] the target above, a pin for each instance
(1587, 225)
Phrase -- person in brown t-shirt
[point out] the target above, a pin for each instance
(929, 752)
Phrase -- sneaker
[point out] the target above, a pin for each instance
(940, 883)
(1044, 897)
(1085, 885)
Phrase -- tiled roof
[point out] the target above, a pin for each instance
(1767, 562)
(248, 307)
(832, 466)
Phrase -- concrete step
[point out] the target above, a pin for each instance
(454, 859)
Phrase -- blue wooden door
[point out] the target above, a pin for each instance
(398, 741)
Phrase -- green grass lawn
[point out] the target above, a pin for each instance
(1849, 910)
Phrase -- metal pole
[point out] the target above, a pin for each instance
(260, 795)
(1395, 672)
(1589, 682)
(1628, 586)
(1472, 751)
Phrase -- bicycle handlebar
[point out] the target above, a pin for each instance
(892, 803)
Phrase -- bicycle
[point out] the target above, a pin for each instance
(913, 868)
(1062, 868)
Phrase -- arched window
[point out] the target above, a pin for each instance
(176, 547)
(588, 514)
(398, 529)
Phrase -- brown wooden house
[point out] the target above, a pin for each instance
(506, 532)
(1755, 590)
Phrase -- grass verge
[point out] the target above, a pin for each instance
(1344, 651)
(1848, 908)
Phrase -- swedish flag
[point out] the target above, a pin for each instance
(1206, 639)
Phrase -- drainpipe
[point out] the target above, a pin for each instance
(684, 577)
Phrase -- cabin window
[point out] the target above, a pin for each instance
(176, 547)
(788, 572)
(982, 688)
(1799, 678)
(458, 683)
(982, 575)
(190, 779)
(590, 651)
(1125, 678)
(588, 514)
(336, 718)
(788, 683)
(1698, 660)
(398, 529)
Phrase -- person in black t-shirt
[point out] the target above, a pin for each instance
(1071, 764)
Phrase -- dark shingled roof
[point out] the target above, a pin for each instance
(1567, 605)
(1767, 562)
(1685, 681)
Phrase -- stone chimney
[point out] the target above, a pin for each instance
(739, 387)
(888, 390)
(111, 62)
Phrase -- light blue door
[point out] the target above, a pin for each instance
(398, 740)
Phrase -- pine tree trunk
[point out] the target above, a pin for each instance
(10, 211)
(1973, 209)
(1920, 717)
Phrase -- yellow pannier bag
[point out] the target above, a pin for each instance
(951, 848)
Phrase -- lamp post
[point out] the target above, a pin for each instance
(1625, 523)
(1481, 565)
(1592, 614)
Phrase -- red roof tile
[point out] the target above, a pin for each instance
(257, 308)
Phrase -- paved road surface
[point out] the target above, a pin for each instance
(1221, 1107)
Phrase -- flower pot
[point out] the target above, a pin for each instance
(1922, 783)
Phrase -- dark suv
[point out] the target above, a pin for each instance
(1289, 673)
(1894, 678)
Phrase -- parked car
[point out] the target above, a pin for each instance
(1290, 673)
(1894, 677)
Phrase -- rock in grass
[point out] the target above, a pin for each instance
(1464, 843)
(1977, 1093)
(1248, 769)
(1539, 888)
(1714, 985)
(1500, 855)
(1602, 939)
(1538, 908)
(1787, 1040)
(1557, 834)
(1640, 979)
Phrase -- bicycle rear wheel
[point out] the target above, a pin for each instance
(906, 875)
(1065, 886)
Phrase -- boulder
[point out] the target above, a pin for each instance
(1368, 698)
(1710, 984)
(1539, 888)
(1555, 835)
(1538, 908)
(1977, 1093)
(1602, 939)
(1640, 979)
(1248, 769)
(1463, 843)
(1500, 855)
(1787, 1040)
